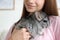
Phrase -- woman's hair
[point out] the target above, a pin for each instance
(49, 7)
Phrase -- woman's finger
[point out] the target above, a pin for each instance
(24, 29)
(27, 35)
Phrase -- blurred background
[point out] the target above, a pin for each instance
(10, 15)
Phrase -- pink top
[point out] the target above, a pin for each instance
(50, 33)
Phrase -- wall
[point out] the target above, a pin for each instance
(59, 12)
(9, 17)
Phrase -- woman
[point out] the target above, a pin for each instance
(39, 21)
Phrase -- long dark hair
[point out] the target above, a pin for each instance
(50, 7)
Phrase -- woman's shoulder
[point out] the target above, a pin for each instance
(56, 23)
(54, 17)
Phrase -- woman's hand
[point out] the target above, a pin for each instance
(20, 34)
